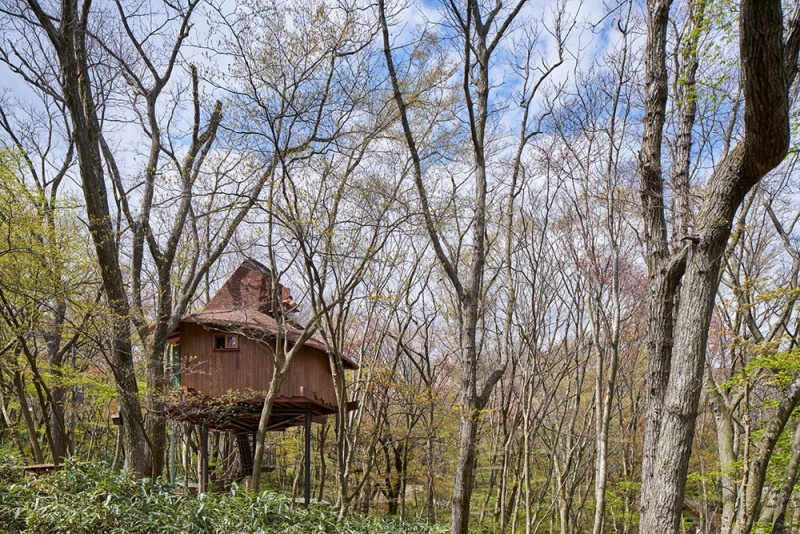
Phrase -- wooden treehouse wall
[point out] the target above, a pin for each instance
(217, 372)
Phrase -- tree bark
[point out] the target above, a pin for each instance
(663, 276)
(766, 138)
(69, 41)
(789, 480)
(723, 419)
(30, 426)
(57, 392)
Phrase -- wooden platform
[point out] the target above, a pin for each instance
(242, 413)
(40, 469)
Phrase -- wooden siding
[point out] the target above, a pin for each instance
(217, 372)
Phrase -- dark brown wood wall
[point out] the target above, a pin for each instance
(217, 372)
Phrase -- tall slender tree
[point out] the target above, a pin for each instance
(481, 31)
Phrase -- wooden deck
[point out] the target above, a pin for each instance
(40, 469)
(243, 414)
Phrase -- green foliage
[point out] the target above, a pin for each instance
(45, 258)
(92, 498)
(784, 365)
(768, 365)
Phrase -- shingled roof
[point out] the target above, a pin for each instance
(250, 288)
(244, 304)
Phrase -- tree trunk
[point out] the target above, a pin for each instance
(765, 143)
(57, 392)
(7, 421)
(30, 426)
(69, 42)
(430, 464)
(261, 433)
(465, 470)
(789, 481)
(662, 276)
(723, 419)
(157, 391)
(323, 468)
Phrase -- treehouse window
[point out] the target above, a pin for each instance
(226, 342)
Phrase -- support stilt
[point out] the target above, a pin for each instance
(203, 459)
(172, 453)
(308, 459)
(246, 452)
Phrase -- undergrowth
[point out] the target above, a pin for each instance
(91, 498)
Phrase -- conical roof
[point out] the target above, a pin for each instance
(249, 288)
(244, 304)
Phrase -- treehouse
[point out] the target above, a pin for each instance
(226, 358)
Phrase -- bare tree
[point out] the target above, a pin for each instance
(744, 371)
(676, 351)
(481, 31)
(304, 105)
(117, 66)
(67, 31)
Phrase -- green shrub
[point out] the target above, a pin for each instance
(91, 498)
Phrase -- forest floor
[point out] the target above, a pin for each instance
(92, 498)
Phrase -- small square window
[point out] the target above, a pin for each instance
(226, 342)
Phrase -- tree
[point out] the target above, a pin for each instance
(676, 350)
(36, 182)
(749, 378)
(123, 71)
(482, 32)
(304, 109)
